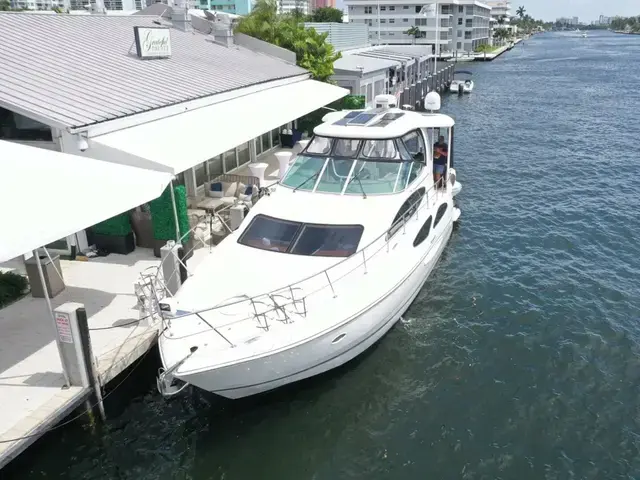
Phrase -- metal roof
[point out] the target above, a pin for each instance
(350, 63)
(80, 70)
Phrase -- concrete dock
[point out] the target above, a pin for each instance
(32, 396)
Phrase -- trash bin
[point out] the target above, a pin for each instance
(54, 283)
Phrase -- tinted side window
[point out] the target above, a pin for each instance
(423, 234)
(439, 214)
(407, 210)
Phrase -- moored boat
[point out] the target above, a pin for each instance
(326, 264)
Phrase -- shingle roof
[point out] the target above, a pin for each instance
(80, 70)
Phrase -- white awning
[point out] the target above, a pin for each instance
(47, 195)
(182, 141)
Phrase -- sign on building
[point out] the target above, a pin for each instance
(152, 42)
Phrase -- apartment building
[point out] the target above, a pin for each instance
(500, 9)
(323, 4)
(288, 6)
(462, 26)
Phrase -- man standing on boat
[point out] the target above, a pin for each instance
(441, 151)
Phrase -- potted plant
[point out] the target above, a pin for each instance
(114, 235)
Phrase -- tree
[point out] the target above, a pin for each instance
(312, 50)
(5, 6)
(327, 14)
(502, 19)
(521, 11)
(414, 32)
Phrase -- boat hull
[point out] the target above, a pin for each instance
(327, 350)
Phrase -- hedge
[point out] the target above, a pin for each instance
(162, 214)
(117, 226)
(12, 287)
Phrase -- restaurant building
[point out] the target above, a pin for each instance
(179, 95)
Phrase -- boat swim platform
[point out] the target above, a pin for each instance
(31, 376)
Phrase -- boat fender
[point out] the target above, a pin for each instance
(460, 88)
(452, 176)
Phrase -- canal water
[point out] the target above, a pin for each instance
(519, 360)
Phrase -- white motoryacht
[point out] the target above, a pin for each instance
(323, 266)
(462, 85)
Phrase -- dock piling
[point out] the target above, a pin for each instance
(74, 343)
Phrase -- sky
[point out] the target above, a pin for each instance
(585, 10)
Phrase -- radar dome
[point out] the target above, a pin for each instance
(432, 101)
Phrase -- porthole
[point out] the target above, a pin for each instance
(423, 233)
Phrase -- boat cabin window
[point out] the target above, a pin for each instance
(320, 145)
(406, 211)
(356, 166)
(346, 147)
(277, 235)
(380, 149)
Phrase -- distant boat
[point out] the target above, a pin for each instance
(584, 35)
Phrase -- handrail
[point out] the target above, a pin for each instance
(260, 298)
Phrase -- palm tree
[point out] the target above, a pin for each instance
(414, 32)
(520, 11)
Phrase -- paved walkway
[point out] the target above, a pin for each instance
(31, 378)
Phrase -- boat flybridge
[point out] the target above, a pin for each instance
(462, 85)
(326, 264)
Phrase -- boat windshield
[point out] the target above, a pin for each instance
(353, 166)
(269, 233)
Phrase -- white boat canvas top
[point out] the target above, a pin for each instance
(379, 123)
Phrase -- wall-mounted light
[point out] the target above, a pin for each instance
(81, 142)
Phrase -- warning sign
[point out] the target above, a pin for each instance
(63, 324)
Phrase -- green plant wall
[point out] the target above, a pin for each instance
(117, 226)
(162, 214)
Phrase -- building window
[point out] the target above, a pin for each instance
(467, 35)
(405, 20)
(459, 33)
(392, 8)
(215, 167)
(469, 23)
(244, 156)
(230, 161)
(459, 46)
(406, 7)
(370, 23)
(383, 9)
(382, 20)
(418, 8)
(266, 141)
(392, 20)
(368, 10)
(469, 9)
(460, 21)
(460, 8)
(14, 126)
(275, 137)
(201, 174)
